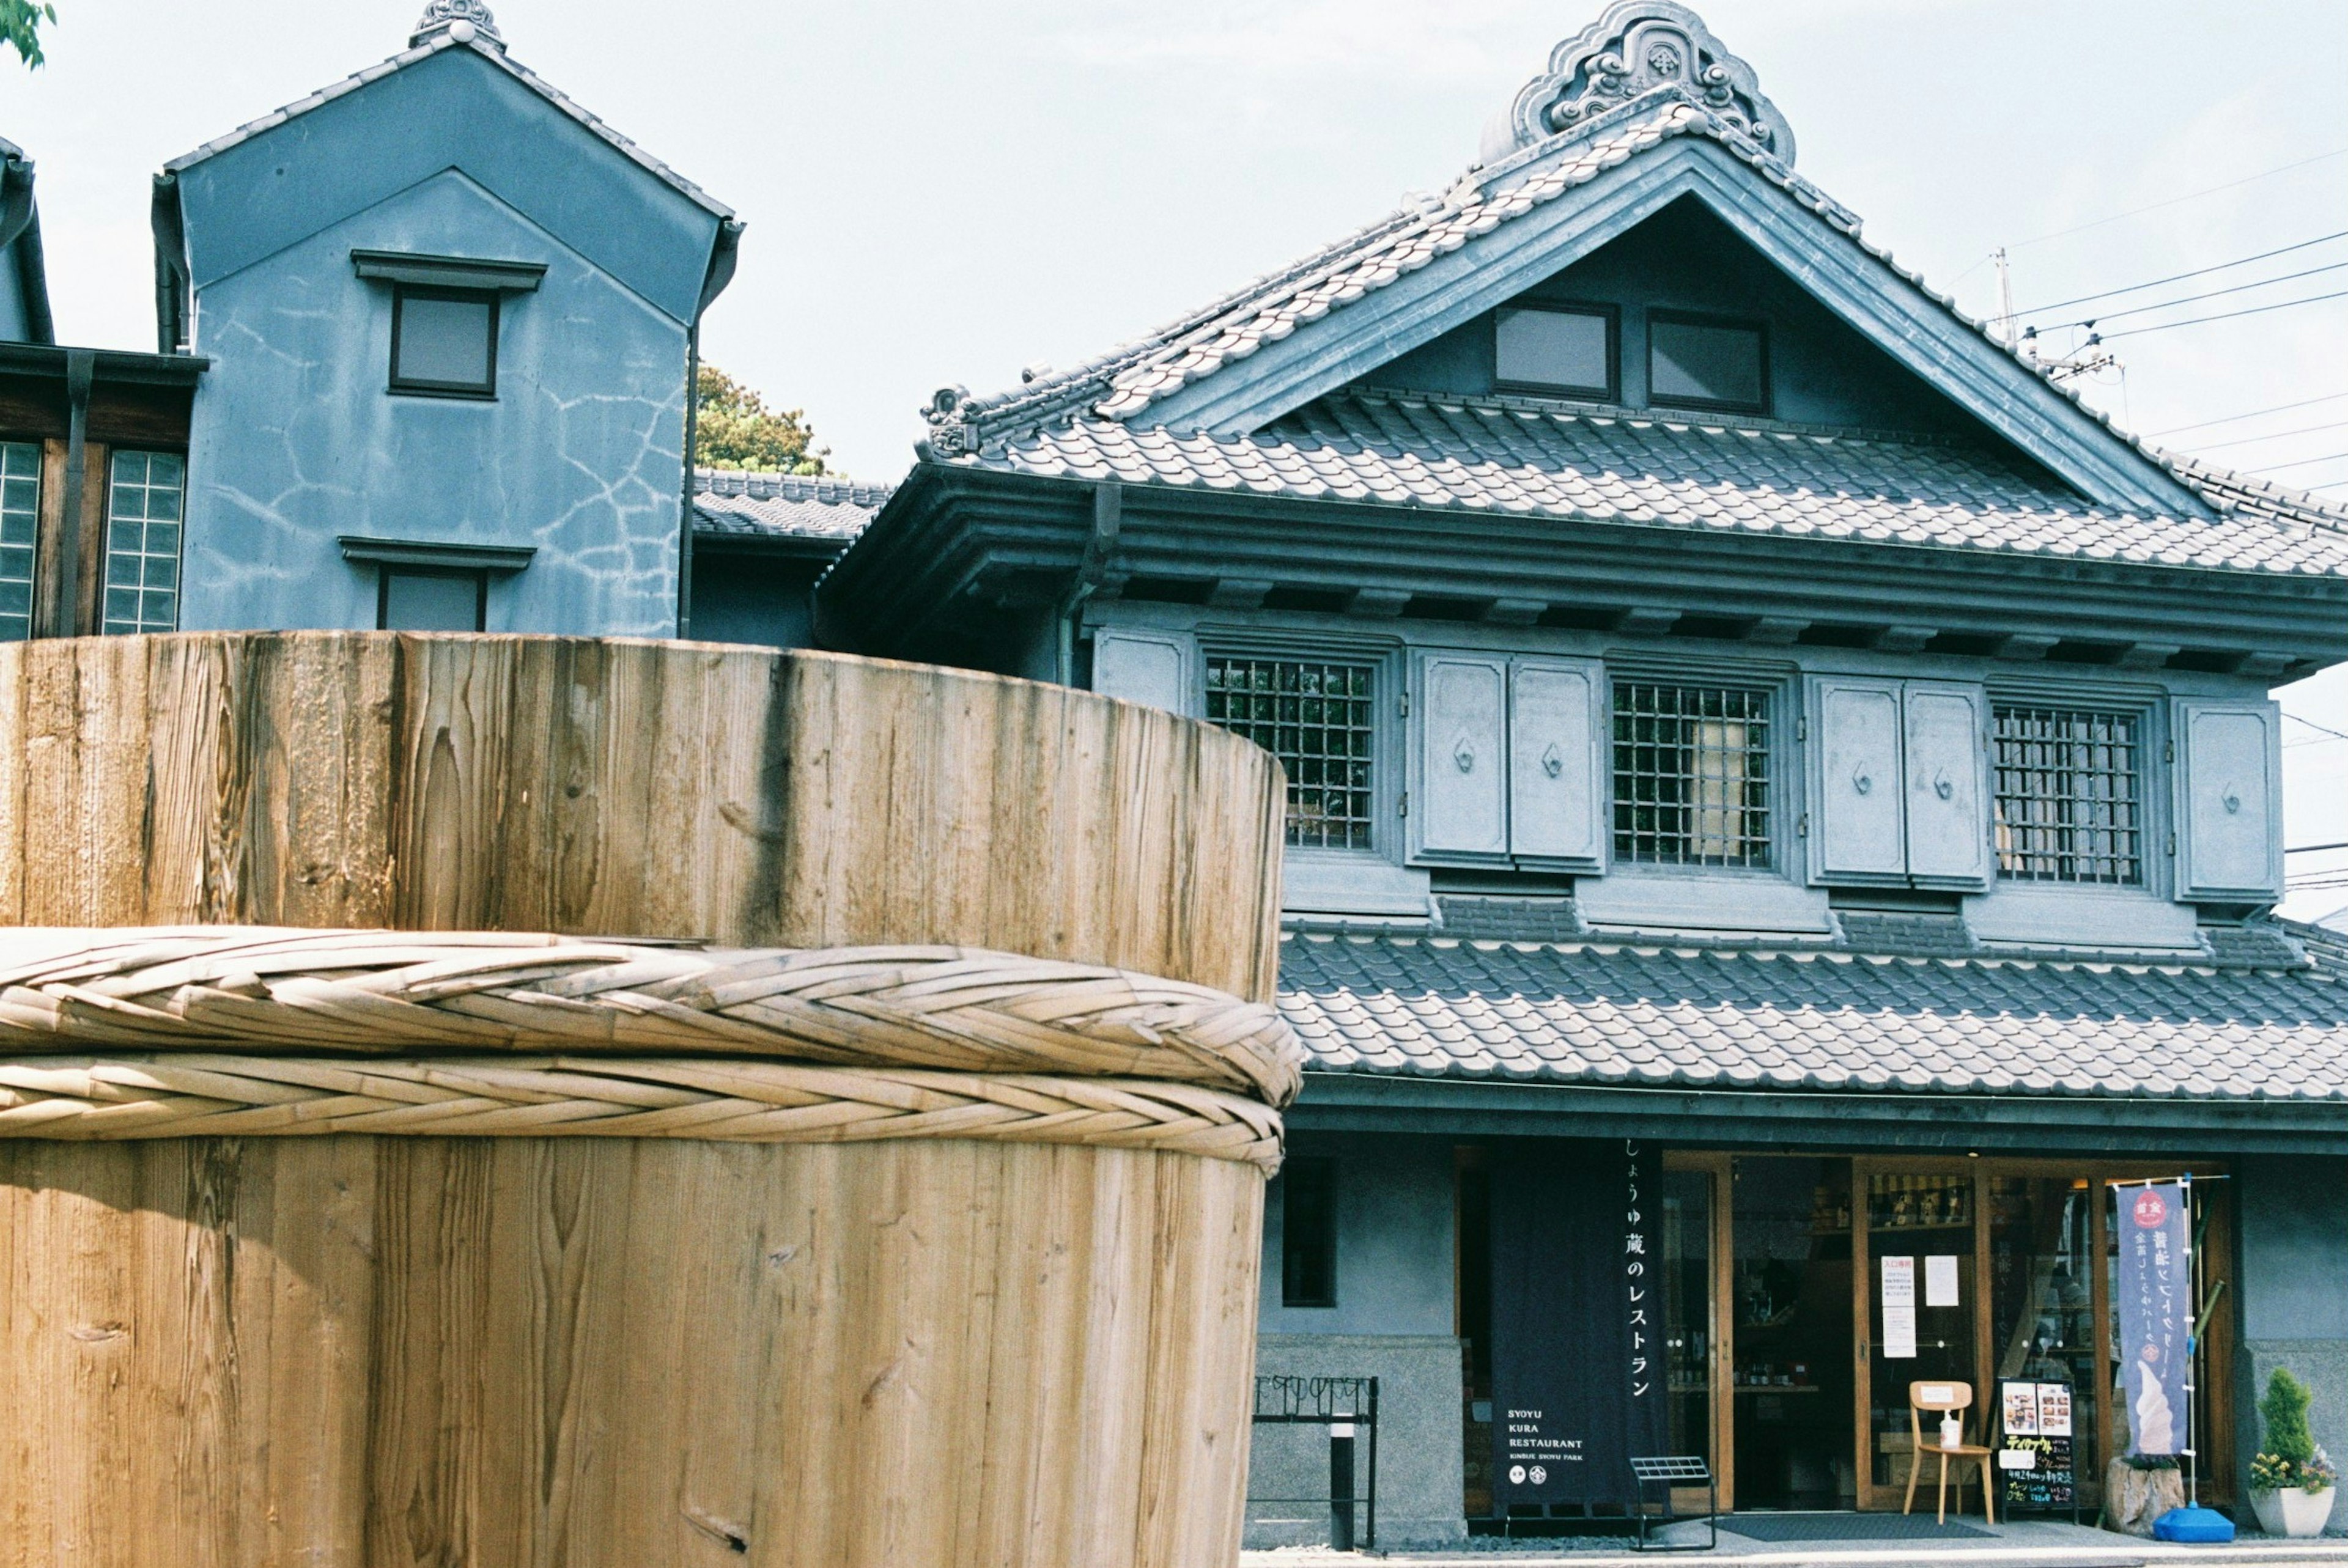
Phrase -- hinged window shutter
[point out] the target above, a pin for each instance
(1461, 726)
(1855, 780)
(1152, 667)
(1947, 761)
(1557, 812)
(2228, 779)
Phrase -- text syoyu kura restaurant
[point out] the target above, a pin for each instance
(1553, 1274)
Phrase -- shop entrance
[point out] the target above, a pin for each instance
(1805, 1293)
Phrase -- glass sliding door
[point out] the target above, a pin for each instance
(1693, 1216)
(1923, 1295)
(2042, 1297)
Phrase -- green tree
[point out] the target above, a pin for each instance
(20, 25)
(734, 428)
(2285, 1410)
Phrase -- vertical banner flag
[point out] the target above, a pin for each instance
(2156, 1300)
(1577, 1384)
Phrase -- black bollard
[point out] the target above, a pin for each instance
(1340, 1486)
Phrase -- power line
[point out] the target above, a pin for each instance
(2254, 414)
(2180, 277)
(2247, 440)
(2227, 316)
(2174, 200)
(2191, 298)
(2303, 463)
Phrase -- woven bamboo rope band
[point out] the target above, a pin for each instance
(218, 1028)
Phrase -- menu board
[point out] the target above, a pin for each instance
(2034, 1455)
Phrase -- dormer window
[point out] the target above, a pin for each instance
(1556, 349)
(1698, 362)
(444, 342)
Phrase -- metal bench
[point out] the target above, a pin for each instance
(1669, 1472)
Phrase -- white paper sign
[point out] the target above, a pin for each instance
(1898, 1282)
(2017, 1458)
(1941, 1281)
(1898, 1333)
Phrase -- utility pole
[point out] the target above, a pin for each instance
(2004, 297)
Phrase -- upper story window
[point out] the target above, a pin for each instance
(1559, 349)
(444, 342)
(142, 543)
(1699, 363)
(1317, 716)
(2070, 794)
(20, 518)
(1691, 774)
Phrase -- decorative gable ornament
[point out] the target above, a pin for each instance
(1636, 47)
(464, 20)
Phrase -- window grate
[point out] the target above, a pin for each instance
(1691, 774)
(1317, 718)
(142, 544)
(2069, 796)
(20, 521)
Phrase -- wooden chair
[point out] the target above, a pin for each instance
(1940, 1399)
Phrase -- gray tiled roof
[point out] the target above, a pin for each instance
(782, 506)
(1080, 409)
(1528, 457)
(495, 54)
(1615, 1013)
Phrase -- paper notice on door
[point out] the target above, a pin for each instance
(1898, 1282)
(1898, 1333)
(1941, 1281)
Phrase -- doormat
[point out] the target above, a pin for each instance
(1845, 1527)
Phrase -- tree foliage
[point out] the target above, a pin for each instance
(20, 27)
(734, 428)
(2285, 1410)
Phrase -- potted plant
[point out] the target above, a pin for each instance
(2291, 1479)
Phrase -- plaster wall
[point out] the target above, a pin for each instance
(2294, 1309)
(296, 440)
(1393, 1321)
(764, 599)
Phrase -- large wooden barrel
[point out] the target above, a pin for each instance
(832, 1130)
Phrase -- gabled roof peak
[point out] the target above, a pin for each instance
(1635, 48)
(464, 20)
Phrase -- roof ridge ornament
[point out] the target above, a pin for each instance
(1635, 48)
(463, 20)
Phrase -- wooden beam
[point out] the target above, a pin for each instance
(1776, 630)
(1904, 639)
(1239, 593)
(1381, 603)
(2025, 645)
(1516, 611)
(2148, 655)
(1647, 622)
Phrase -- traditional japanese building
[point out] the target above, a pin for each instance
(1780, 789)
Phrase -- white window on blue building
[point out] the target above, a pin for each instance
(142, 543)
(20, 518)
(2070, 797)
(1692, 773)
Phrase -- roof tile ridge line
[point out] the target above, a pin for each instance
(302, 105)
(1065, 384)
(1705, 418)
(495, 54)
(1017, 411)
(1072, 384)
(2197, 472)
(751, 482)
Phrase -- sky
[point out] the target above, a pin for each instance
(943, 193)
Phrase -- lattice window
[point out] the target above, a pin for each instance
(2070, 794)
(142, 544)
(1318, 718)
(20, 518)
(1691, 774)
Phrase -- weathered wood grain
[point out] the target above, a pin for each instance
(367, 1351)
(734, 795)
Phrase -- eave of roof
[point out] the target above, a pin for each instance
(496, 54)
(805, 512)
